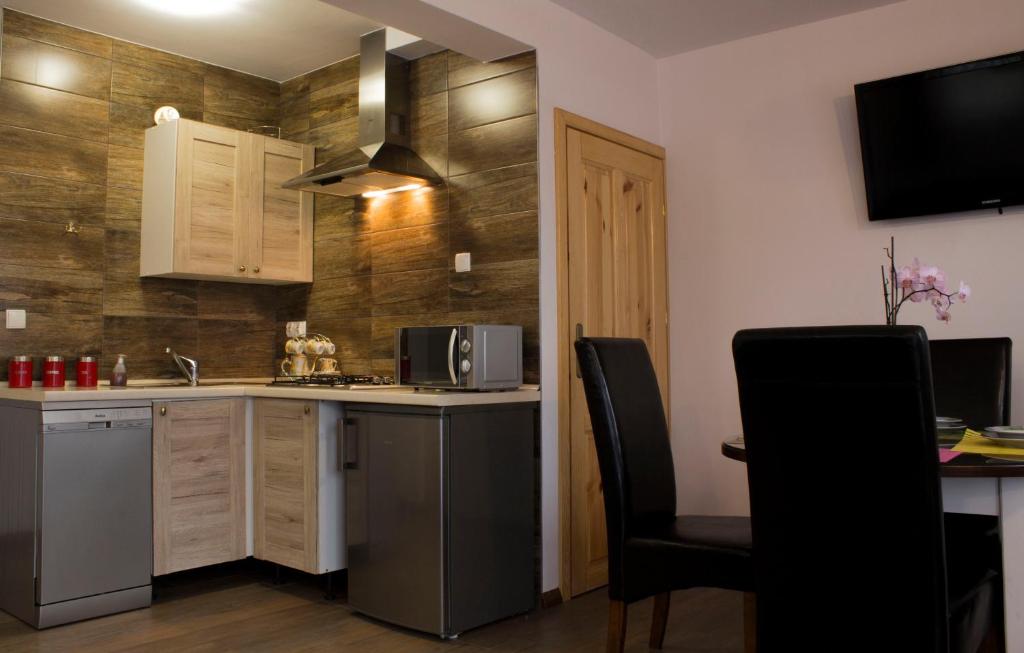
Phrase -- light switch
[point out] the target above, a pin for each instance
(462, 262)
(15, 318)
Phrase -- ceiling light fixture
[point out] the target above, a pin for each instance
(193, 8)
(388, 191)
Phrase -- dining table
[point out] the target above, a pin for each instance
(979, 485)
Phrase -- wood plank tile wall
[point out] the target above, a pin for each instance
(73, 109)
(389, 261)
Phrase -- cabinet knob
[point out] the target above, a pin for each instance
(163, 410)
(256, 269)
(241, 268)
(306, 410)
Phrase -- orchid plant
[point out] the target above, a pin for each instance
(917, 283)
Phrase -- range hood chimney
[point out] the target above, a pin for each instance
(384, 161)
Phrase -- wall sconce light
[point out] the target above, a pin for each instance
(165, 114)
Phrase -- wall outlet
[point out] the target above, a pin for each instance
(15, 318)
(295, 329)
(462, 262)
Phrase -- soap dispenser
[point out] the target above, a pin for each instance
(119, 375)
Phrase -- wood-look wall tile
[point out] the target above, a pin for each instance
(410, 293)
(428, 74)
(43, 199)
(293, 117)
(383, 367)
(492, 100)
(47, 155)
(340, 72)
(25, 26)
(142, 57)
(42, 290)
(124, 208)
(151, 87)
(238, 122)
(336, 217)
(494, 192)
(344, 296)
(143, 340)
(351, 336)
(124, 166)
(496, 145)
(59, 334)
(433, 150)
(127, 294)
(46, 245)
(464, 70)
(232, 93)
(496, 238)
(326, 108)
(229, 301)
(428, 114)
(55, 67)
(295, 86)
(231, 349)
(400, 210)
(52, 111)
(383, 345)
(341, 257)
(412, 248)
(334, 139)
(510, 285)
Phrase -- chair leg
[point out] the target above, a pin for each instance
(659, 619)
(617, 627)
(749, 622)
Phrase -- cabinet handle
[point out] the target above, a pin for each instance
(241, 268)
(348, 447)
(579, 334)
(163, 410)
(256, 269)
(305, 409)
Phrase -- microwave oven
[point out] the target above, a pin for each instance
(460, 356)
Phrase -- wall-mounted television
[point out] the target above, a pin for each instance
(944, 140)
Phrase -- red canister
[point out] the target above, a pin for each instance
(53, 372)
(19, 372)
(87, 372)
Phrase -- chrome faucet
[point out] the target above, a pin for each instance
(188, 366)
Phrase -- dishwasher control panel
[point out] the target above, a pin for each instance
(117, 417)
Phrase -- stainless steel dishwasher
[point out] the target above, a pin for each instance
(92, 545)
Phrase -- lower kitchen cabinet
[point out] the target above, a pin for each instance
(199, 483)
(298, 490)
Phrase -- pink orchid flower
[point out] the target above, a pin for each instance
(964, 293)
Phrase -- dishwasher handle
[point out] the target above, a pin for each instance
(348, 444)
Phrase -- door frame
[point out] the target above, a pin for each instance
(564, 120)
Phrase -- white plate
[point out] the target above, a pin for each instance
(1016, 443)
(948, 420)
(1006, 431)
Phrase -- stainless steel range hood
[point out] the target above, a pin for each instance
(384, 160)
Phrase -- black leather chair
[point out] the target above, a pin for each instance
(651, 550)
(845, 496)
(971, 377)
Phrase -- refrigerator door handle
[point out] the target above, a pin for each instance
(348, 445)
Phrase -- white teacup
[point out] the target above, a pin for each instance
(315, 347)
(295, 365)
(326, 365)
(295, 346)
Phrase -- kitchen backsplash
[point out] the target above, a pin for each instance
(389, 261)
(71, 150)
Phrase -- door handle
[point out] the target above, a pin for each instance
(348, 446)
(579, 334)
(451, 353)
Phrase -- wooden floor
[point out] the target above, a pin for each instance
(239, 608)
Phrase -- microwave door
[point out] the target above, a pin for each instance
(430, 357)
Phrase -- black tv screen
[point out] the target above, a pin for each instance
(943, 140)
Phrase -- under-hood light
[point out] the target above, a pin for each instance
(388, 191)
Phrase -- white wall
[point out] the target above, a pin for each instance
(768, 225)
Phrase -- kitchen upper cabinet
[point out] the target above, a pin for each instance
(298, 501)
(199, 484)
(213, 206)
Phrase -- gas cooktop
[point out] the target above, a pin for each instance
(346, 381)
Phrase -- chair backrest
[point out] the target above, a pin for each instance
(971, 377)
(632, 441)
(845, 498)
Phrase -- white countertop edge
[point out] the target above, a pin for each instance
(389, 395)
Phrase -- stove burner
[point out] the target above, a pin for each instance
(332, 380)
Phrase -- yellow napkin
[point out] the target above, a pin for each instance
(974, 442)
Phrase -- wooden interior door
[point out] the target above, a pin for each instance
(285, 477)
(616, 287)
(281, 222)
(211, 200)
(199, 515)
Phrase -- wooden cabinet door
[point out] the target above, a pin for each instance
(199, 515)
(211, 195)
(281, 220)
(285, 482)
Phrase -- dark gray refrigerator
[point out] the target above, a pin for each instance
(440, 513)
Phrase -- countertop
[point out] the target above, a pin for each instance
(157, 390)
